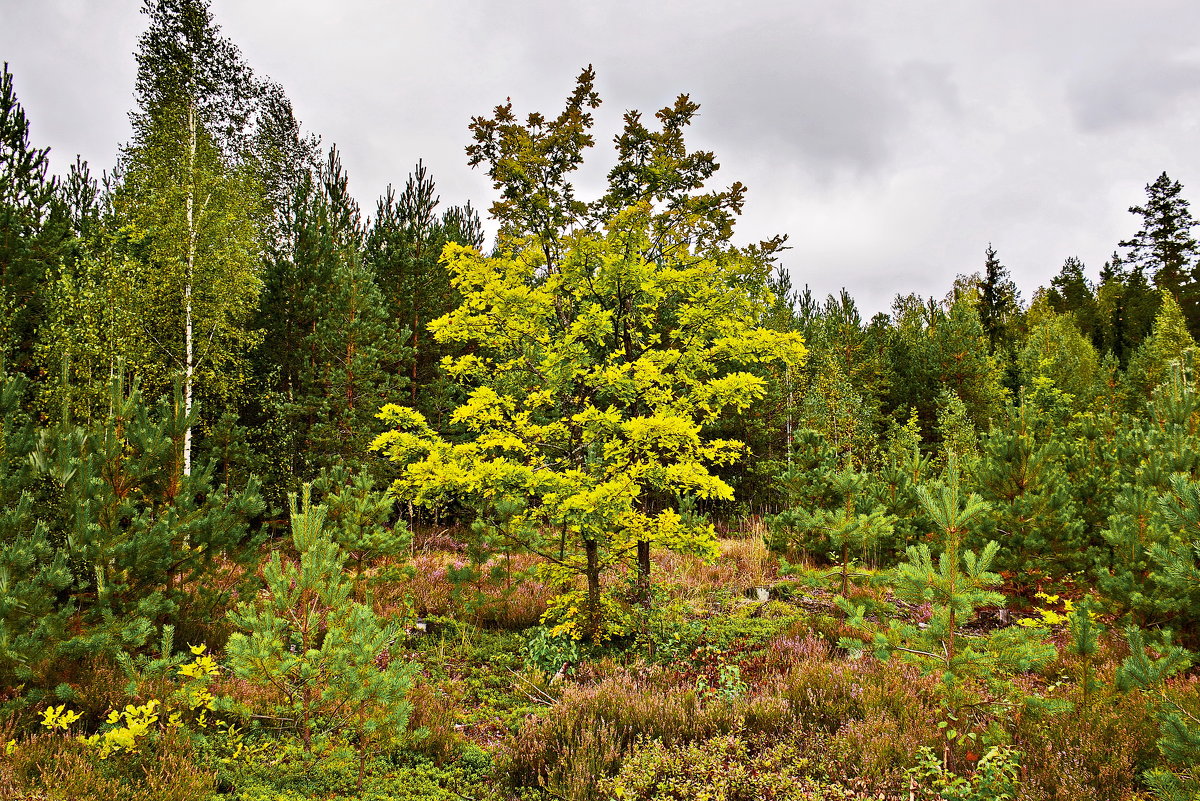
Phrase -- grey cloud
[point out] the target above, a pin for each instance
(927, 82)
(1131, 93)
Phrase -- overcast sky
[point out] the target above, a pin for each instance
(890, 141)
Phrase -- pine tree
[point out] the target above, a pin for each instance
(327, 656)
(32, 571)
(362, 522)
(1179, 720)
(933, 351)
(1030, 507)
(1072, 293)
(329, 348)
(111, 538)
(34, 232)
(844, 523)
(1150, 452)
(404, 247)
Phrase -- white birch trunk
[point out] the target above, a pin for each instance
(189, 353)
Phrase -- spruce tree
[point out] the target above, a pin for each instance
(1164, 247)
(999, 302)
(1126, 306)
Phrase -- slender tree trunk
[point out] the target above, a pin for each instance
(189, 353)
(415, 356)
(592, 571)
(643, 573)
(362, 745)
(845, 569)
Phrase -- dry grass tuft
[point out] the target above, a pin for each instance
(744, 563)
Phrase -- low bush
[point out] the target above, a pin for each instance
(726, 768)
(1093, 753)
(585, 737)
(58, 767)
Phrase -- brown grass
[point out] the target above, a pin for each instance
(507, 594)
(744, 563)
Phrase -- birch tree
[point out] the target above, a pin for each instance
(190, 206)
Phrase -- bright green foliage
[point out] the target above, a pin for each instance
(996, 778)
(592, 382)
(1179, 725)
(1056, 352)
(1168, 343)
(191, 221)
(192, 209)
(958, 434)
(326, 657)
(596, 354)
(1084, 645)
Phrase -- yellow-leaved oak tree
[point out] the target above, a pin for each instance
(599, 340)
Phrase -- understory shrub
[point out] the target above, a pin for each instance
(862, 721)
